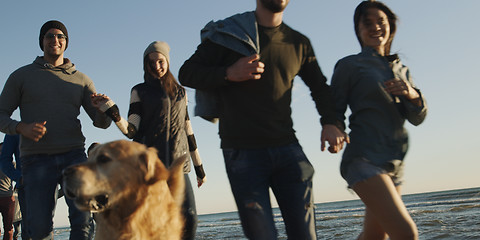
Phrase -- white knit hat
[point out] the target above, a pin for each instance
(158, 46)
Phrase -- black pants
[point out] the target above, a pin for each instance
(189, 211)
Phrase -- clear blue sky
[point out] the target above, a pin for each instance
(438, 40)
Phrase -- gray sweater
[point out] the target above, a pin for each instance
(52, 94)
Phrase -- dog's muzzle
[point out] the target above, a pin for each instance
(98, 203)
(71, 187)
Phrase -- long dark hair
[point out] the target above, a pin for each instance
(167, 81)
(361, 11)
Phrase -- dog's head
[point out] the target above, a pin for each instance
(114, 172)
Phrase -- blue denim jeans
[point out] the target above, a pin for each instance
(41, 175)
(23, 211)
(287, 171)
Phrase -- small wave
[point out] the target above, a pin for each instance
(443, 235)
(326, 218)
(445, 202)
(61, 230)
(433, 222)
(423, 211)
(219, 225)
(228, 219)
(346, 210)
(463, 208)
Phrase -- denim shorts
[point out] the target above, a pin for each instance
(360, 169)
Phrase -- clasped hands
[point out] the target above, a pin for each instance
(334, 137)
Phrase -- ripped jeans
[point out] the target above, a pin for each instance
(287, 171)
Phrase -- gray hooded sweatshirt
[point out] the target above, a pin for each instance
(44, 92)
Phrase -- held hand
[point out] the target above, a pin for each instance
(34, 131)
(201, 177)
(401, 88)
(98, 99)
(334, 137)
(199, 182)
(245, 68)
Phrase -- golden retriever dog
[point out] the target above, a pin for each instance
(133, 195)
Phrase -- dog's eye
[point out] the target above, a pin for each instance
(103, 159)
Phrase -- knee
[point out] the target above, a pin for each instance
(410, 235)
(190, 215)
(411, 232)
(253, 206)
(189, 211)
(406, 234)
(252, 210)
(40, 235)
(367, 235)
(309, 206)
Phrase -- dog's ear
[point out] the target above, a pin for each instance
(152, 166)
(91, 147)
(176, 180)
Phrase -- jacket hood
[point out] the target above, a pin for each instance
(67, 67)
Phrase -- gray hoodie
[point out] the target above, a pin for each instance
(44, 92)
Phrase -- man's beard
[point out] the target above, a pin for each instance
(273, 6)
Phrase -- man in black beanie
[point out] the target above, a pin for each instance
(49, 93)
(49, 25)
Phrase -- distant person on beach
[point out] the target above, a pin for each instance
(49, 93)
(158, 117)
(379, 90)
(13, 169)
(17, 217)
(248, 62)
(7, 204)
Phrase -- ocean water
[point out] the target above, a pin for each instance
(453, 214)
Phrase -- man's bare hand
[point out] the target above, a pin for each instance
(246, 68)
(34, 131)
(98, 99)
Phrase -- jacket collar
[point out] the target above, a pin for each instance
(372, 52)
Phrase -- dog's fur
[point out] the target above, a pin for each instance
(130, 191)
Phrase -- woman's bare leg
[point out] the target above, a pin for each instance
(385, 210)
